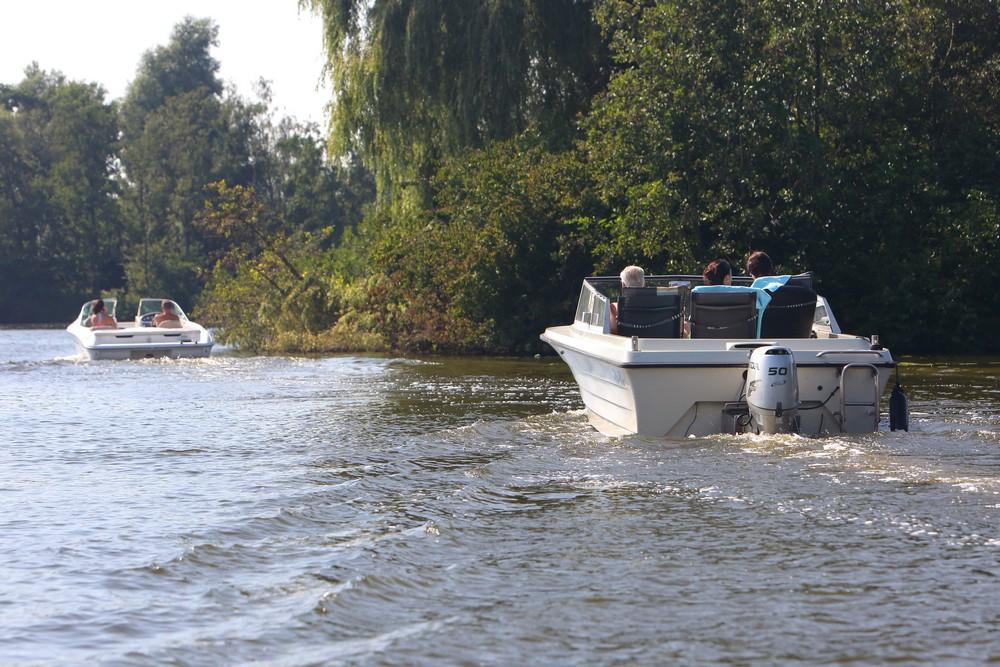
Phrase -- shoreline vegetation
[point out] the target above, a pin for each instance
(482, 158)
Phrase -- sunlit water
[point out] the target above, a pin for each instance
(355, 510)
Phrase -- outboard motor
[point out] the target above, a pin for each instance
(772, 390)
(899, 408)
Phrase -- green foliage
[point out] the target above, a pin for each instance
(183, 135)
(182, 66)
(498, 256)
(518, 146)
(268, 291)
(176, 134)
(58, 215)
(852, 138)
(843, 137)
(416, 81)
(98, 197)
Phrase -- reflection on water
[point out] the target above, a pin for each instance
(298, 511)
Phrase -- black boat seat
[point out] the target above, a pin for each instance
(801, 280)
(723, 314)
(649, 312)
(789, 314)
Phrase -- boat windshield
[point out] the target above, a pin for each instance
(147, 306)
(88, 309)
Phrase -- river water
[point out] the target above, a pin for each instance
(387, 511)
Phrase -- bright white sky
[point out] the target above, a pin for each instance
(102, 41)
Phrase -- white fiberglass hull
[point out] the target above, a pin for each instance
(142, 342)
(681, 387)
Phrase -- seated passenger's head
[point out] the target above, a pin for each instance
(167, 306)
(98, 306)
(718, 272)
(633, 276)
(759, 264)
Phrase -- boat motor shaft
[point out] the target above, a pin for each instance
(772, 390)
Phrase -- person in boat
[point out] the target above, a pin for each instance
(99, 318)
(759, 265)
(718, 277)
(761, 269)
(166, 317)
(631, 276)
(718, 272)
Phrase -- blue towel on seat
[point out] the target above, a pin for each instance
(763, 298)
(770, 283)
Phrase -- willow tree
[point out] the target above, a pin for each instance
(416, 80)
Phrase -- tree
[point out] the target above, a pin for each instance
(415, 81)
(264, 285)
(177, 139)
(855, 138)
(184, 65)
(58, 206)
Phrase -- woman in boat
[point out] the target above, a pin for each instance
(99, 318)
(718, 272)
(759, 265)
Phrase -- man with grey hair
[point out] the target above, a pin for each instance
(631, 276)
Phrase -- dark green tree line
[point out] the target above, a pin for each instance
(854, 138)
(99, 197)
(59, 223)
(517, 146)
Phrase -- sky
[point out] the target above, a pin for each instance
(103, 40)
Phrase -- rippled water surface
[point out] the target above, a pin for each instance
(354, 510)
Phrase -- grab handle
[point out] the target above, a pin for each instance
(826, 352)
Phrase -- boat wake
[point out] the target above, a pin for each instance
(14, 366)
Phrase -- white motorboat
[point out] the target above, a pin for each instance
(141, 338)
(784, 368)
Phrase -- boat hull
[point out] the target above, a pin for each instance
(152, 351)
(681, 388)
(125, 343)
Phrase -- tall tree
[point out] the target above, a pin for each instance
(58, 205)
(415, 80)
(184, 65)
(176, 141)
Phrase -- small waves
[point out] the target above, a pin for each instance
(29, 366)
(351, 510)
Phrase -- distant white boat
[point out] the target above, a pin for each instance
(140, 339)
(785, 367)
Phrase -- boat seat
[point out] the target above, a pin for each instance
(789, 314)
(649, 312)
(801, 280)
(723, 314)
